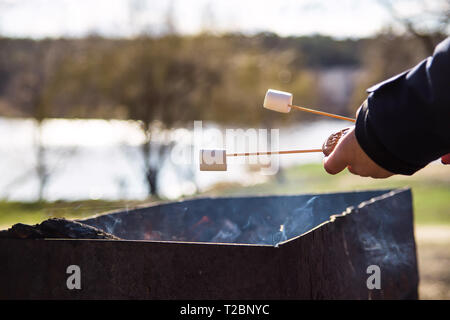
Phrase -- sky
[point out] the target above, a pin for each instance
(123, 18)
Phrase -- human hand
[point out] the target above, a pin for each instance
(347, 153)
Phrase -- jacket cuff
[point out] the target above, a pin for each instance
(374, 148)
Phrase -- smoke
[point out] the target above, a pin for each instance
(110, 227)
(258, 229)
(298, 222)
(230, 222)
(229, 232)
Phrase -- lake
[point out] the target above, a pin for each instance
(101, 159)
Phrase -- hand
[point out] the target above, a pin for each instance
(348, 154)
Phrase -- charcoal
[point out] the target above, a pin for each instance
(56, 228)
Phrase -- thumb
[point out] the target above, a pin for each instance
(338, 159)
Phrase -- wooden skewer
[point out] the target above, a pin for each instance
(271, 152)
(323, 113)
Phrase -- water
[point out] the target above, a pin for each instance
(99, 159)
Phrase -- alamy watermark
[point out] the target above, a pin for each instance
(235, 140)
(374, 280)
(74, 280)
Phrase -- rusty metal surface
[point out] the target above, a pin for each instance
(377, 232)
(328, 262)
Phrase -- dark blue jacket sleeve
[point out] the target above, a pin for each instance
(405, 122)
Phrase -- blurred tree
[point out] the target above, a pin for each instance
(80, 86)
(383, 57)
(29, 89)
(395, 50)
(429, 23)
(161, 83)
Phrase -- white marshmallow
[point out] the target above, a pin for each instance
(213, 160)
(278, 100)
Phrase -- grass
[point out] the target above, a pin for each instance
(35, 212)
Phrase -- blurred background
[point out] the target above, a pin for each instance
(96, 96)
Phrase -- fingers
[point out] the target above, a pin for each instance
(348, 154)
(344, 154)
(338, 160)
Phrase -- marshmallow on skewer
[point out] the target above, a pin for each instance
(279, 101)
(213, 160)
(216, 160)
